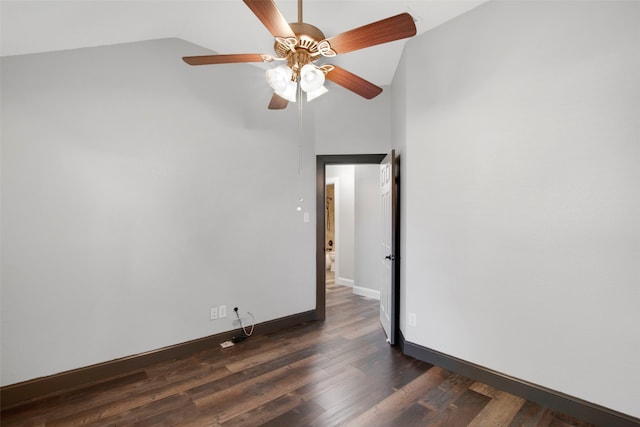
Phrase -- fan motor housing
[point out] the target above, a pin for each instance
(308, 37)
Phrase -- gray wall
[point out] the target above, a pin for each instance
(521, 193)
(368, 231)
(136, 190)
(349, 124)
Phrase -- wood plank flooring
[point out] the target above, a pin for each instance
(339, 372)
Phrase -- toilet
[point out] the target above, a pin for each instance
(330, 256)
(330, 261)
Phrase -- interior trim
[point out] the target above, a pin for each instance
(543, 396)
(15, 394)
(321, 162)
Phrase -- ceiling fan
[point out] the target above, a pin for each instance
(299, 45)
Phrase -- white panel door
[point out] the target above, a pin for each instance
(388, 202)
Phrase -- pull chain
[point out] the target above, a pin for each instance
(300, 149)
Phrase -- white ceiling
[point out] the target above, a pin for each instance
(223, 26)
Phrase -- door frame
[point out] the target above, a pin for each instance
(321, 162)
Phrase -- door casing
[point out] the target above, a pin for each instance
(321, 162)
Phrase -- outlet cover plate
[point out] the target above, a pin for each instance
(412, 320)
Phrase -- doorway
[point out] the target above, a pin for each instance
(330, 243)
(322, 161)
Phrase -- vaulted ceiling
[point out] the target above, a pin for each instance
(222, 26)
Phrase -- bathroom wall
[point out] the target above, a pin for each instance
(330, 218)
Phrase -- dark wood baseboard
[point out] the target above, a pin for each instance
(552, 399)
(14, 394)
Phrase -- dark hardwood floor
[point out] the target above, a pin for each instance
(339, 372)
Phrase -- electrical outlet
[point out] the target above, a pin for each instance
(412, 319)
(222, 311)
(213, 313)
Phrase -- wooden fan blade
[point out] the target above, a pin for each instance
(278, 103)
(384, 31)
(225, 59)
(270, 16)
(354, 83)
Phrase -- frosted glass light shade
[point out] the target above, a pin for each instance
(289, 92)
(316, 93)
(311, 78)
(279, 78)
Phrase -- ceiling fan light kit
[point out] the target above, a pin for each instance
(279, 77)
(316, 93)
(301, 45)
